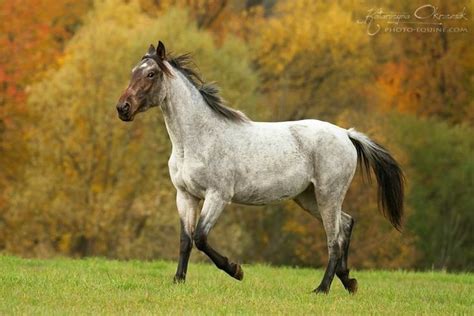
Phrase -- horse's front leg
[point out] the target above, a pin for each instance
(213, 206)
(187, 209)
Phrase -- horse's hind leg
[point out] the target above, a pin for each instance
(342, 271)
(331, 216)
(307, 201)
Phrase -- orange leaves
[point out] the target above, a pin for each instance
(3, 76)
(391, 90)
(32, 35)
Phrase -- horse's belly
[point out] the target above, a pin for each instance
(260, 188)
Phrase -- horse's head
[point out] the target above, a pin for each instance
(145, 89)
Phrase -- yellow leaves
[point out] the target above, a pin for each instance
(89, 168)
(306, 27)
(312, 57)
(292, 226)
(65, 243)
(97, 188)
(62, 59)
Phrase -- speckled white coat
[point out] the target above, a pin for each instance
(254, 163)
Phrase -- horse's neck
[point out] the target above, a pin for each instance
(188, 119)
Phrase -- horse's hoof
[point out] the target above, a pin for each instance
(239, 273)
(179, 279)
(352, 286)
(321, 290)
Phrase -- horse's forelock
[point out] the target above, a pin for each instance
(161, 64)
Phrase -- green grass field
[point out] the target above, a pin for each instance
(66, 286)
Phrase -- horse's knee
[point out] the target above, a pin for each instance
(186, 243)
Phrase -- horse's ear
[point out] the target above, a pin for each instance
(160, 51)
(151, 50)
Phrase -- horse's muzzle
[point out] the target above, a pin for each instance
(124, 111)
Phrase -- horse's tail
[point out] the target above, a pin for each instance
(389, 175)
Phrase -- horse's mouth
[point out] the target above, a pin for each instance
(126, 118)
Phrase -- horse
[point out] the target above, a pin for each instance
(220, 156)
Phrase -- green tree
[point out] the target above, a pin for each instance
(441, 175)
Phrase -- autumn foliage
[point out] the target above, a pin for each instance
(76, 181)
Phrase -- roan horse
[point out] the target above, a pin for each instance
(222, 157)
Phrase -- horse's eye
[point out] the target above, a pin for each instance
(151, 75)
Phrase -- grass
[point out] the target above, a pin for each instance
(99, 286)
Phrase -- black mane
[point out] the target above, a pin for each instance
(209, 91)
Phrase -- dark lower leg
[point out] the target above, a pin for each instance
(334, 259)
(223, 263)
(342, 270)
(185, 246)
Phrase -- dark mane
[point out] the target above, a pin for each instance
(209, 91)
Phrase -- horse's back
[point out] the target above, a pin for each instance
(276, 161)
(313, 137)
(327, 146)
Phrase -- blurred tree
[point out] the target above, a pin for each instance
(32, 35)
(428, 73)
(98, 186)
(441, 169)
(32, 40)
(222, 17)
(205, 12)
(313, 59)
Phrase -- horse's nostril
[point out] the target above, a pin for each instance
(126, 107)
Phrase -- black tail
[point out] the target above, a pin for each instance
(389, 176)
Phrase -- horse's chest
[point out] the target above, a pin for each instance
(190, 176)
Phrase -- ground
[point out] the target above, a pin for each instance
(100, 286)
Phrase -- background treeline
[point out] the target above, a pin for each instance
(76, 181)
